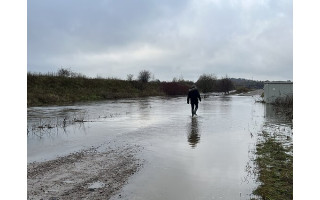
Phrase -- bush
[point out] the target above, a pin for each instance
(174, 88)
(242, 90)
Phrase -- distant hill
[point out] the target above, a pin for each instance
(251, 84)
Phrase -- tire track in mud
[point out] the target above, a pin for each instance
(88, 174)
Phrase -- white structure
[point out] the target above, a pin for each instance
(277, 89)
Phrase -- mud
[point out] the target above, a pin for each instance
(88, 174)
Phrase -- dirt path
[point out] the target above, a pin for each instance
(89, 174)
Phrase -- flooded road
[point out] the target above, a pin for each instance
(184, 157)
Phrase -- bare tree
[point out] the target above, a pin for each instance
(225, 85)
(69, 73)
(144, 76)
(207, 83)
(64, 72)
(174, 79)
(130, 77)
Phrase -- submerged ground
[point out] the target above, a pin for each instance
(147, 148)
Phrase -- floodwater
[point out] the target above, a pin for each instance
(184, 157)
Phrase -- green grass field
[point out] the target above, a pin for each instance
(50, 90)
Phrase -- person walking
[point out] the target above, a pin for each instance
(193, 95)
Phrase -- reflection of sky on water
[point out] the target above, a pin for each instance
(275, 117)
(203, 157)
(278, 125)
(104, 120)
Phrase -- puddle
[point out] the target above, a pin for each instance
(96, 185)
(202, 157)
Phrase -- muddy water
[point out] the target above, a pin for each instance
(203, 157)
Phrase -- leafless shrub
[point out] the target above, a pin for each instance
(286, 101)
(64, 72)
(130, 77)
(69, 73)
(225, 85)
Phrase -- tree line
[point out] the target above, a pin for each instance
(210, 83)
(205, 83)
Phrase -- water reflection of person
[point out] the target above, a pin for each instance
(193, 136)
(144, 109)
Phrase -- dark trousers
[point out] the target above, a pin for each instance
(194, 109)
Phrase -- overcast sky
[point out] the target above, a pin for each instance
(170, 38)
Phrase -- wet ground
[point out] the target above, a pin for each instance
(182, 157)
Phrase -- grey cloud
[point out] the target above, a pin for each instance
(169, 38)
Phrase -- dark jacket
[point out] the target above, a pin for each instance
(194, 95)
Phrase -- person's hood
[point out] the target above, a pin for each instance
(193, 88)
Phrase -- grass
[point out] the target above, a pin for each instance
(242, 90)
(56, 90)
(274, 162)
(275, 170)
(46, 90)
(284, 106)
